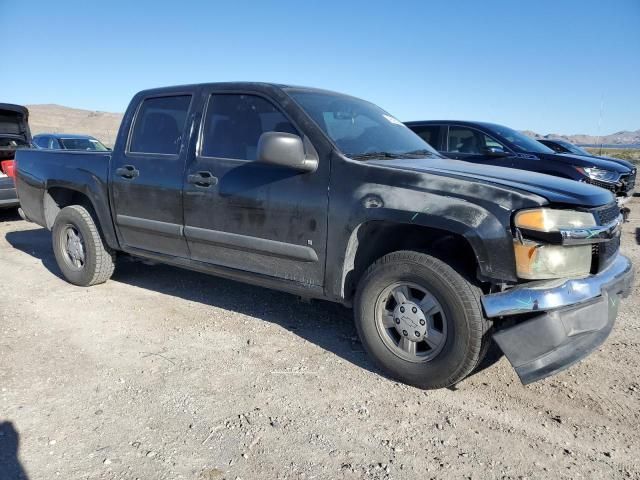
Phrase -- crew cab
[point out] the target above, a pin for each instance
(14, 135)
(488, 143)
(328, 196)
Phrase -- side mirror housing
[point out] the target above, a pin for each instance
(285, 150)
(496, 152)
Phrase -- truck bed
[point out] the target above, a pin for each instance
(41, 170)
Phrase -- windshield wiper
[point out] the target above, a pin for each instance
(423, 152)
(413, 154)
(369, 155)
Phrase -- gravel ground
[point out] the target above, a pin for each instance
(163, 373)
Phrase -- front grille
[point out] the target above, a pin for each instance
(604, 253)
(628, 182)
(612, 187)
(607, 214)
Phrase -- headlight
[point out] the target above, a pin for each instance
(599, 174)
(536, 261)
(549, 220)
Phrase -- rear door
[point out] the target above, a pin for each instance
(146, 179)
(473, 145)
(248, 215)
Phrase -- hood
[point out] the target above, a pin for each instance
(554, 189)
(14, 122)
(583, 161)
(620, 161)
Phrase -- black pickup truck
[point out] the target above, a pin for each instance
(327, 196)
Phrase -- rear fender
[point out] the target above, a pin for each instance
(58, 194)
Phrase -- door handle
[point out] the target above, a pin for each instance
(202, 179)
(128, 171)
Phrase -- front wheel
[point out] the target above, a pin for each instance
(420, 319)
(80, 251)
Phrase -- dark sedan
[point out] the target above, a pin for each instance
(562, 146)
(492, 144)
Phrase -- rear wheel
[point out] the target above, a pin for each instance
(420, 319)
(80, 251)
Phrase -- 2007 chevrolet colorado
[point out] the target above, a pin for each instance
(328, 196)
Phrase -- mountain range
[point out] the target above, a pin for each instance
(624, 137)
(104, 126)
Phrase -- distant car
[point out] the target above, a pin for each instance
(14, 135)
(67, 141)
(562, 146)
(491, 144)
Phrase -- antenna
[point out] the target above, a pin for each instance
(600, 121)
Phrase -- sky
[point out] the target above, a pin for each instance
(568, 66)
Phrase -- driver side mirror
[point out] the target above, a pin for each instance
(496, 152)
(285, 150)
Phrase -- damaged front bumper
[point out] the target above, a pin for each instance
(575, 317)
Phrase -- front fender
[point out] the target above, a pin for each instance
(480, 212)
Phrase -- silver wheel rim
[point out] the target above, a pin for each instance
(73, 248)
(411, 322)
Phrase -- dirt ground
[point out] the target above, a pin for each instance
(163, 373)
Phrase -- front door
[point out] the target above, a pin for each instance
(247, 215)
(146, 179)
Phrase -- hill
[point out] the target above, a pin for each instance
(58, 119)
(104, 126)
(624, 137)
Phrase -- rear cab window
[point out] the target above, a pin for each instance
(159, 125)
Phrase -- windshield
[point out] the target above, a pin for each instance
(573, 148)
(360, 129)
(82, 144)
(520, 140)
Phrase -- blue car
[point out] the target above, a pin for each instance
(68, 141)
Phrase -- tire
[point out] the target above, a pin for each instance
(464, 332)
(98, 259)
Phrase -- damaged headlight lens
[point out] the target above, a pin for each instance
(550, 220)
(537, 261)
(599, 174)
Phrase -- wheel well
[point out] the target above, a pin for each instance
(57, 198)
(375, 239)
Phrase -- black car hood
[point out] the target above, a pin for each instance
(620, 161)
(14, 122)
(554, 189)
(582, 161)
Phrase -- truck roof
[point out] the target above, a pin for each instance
(238, 86)
(457, 122)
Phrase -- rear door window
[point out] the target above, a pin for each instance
(234, 122)
(159, 125)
